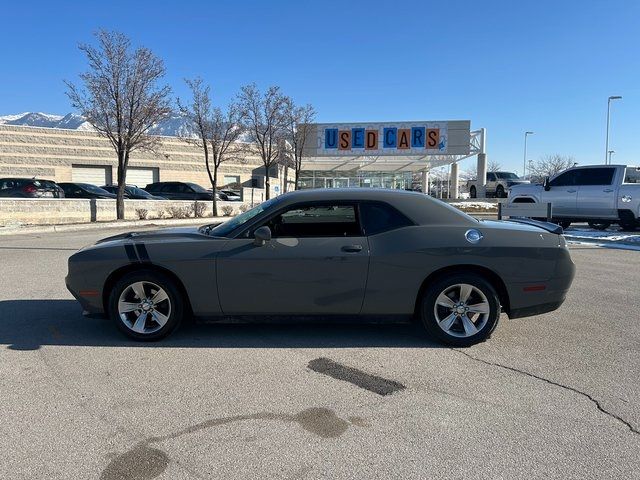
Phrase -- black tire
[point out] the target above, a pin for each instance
(599, 225)
(472, 192)
(629, 226)
(174, 297)
(427, 313)
(500, 193)
(563, 223)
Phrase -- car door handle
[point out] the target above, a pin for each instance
(571, 191)
(352, 248)
(608, 190)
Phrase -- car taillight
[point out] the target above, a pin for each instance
(30, 189)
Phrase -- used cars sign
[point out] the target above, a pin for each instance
(393, 138)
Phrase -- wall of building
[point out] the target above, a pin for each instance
(50, 153)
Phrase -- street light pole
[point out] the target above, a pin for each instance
(610, 152)
(606, 150)
(524, 161)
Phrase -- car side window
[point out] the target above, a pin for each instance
(632, 175)
(596, 176)
(565, 179)
(380, 217)
(491, 177)
(326, 220)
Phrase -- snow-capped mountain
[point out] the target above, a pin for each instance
(175, 125)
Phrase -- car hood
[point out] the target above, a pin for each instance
(159, 234)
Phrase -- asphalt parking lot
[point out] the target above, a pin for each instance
(554, 396)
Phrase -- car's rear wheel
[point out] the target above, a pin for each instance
(146, 305)
(472, 192)
(628, 226)
(599, 225)
(500, 193)
(460, 309)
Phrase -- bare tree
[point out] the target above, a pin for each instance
(120, 97)
(493, 166)
(469, 173)
(297, 120)
(548, 166)
(264, 120)
(216, 131)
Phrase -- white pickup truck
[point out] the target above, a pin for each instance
(598, 194)
(497, 184)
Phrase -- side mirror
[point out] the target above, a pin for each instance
(546, 185)
(261, 236)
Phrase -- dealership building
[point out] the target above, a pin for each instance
(83, 156)
(387, 155)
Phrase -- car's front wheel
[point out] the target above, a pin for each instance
(146, 305)
(599, 224)
(460, 309)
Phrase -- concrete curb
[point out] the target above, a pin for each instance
(124, 225)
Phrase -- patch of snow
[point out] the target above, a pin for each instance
(10, 118)
(475, 205)
(608, 235)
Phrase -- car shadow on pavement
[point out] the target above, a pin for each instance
(30, 324)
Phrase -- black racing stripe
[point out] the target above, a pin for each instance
(142, 253)
(131, 253)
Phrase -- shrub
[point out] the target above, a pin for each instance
(142, 213)
(161, 213)
(178, 212)
(198, 209)
(244, 207)
(227, 210)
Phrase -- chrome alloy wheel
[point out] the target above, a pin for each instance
(462, 310)
(144, 307)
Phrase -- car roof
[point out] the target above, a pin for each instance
(419, 207)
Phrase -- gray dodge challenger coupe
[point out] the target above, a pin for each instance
(336, 253)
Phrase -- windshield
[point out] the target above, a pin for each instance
(138, 191)
(197, 188)
(507, 176)
(229, 226)
(93, 189)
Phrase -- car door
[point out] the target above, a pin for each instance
(316, 263)
(491, 182)
(563, 194)
(169, 190)
(596, 194)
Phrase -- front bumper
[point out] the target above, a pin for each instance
(90, 300)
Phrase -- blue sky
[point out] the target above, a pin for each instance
(508, 66)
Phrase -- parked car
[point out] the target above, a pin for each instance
(498, 183)
(231, 196)
(598, 194)
(339, 253)
(29, 188)
(179, 190)
(133, 192)
(84, 190)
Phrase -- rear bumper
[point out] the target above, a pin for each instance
(534, 298)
